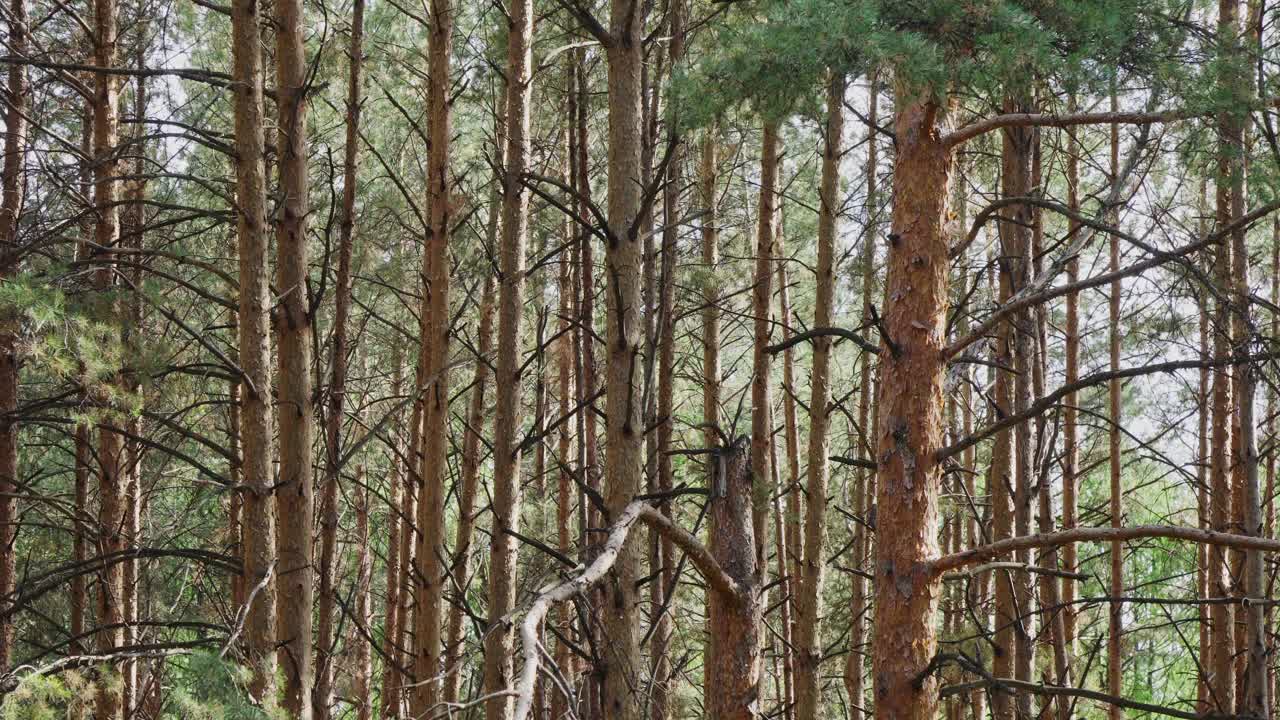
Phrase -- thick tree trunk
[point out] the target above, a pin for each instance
(910, 409)
(361, 686)
(110, 457)
(338, 377)
(11, 189)
(624, 462)
(734, 679)
(499, 640)
(257, 515)
(813, 571)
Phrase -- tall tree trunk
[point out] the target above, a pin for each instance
(11, 189)
(624, 461)
(761, 302)
(1050, 588)
(1115, 616)
(338, 376)
(1070, 431)
(1015, 180)
(855, 661)
(664, 583)
(809, 600)
(259, 541)
(1222, 686)
(110, 441)
(434, 358)
(710, 375)
(1002, 478)
(910, 409)
(499, 639)
(294, 492)
(132, 223)
(566, 392)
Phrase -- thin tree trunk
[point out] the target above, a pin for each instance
(1070, 432)
(1002, 478)
(1050, 589)
(809, 600)
(1222, 686)
(910, 408)
(390, 693)
(499, 639)
(1115, 616)
(461, 568)
(338, 377)
(12, 186)
(565, 391)
(761, 303)
(110, 441)
(361, 685)
(11, 191)
(710, 375)
(295, 491)
(855, 661)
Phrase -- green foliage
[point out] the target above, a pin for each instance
(52, 697)
(211, 688)
(773, 55)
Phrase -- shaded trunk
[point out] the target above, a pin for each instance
(1070, 431)
(389, 696)
(295, 491)
(471, 442)
(361, 685)
(854, 681)
(809, 599)
(11, 189)
(338, 376)
(111, 461)
(1115, 616)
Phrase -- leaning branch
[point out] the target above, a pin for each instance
(595, 572)
(954, 561)
(1011, 120)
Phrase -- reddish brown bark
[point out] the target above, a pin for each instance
(910, 409)
(293, 320)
